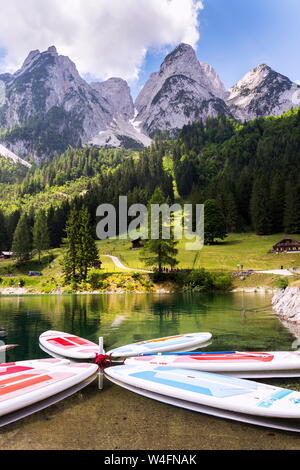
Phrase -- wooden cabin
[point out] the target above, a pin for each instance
(137, 244)
(97, 265)
(287, 245)
(5, 255)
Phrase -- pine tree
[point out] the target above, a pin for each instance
(40, 234)
(260, 207)
(71, 243)
(22, 243)
(81, 252)
(277, 203)
(292, 208)
(214, 222)
(3, 233)
(159, 253)
(88, 255)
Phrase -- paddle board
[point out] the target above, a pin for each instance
(25, 383)
(186, 342)
(211, 390)
(235, 363)
(67, 345)
(274, 423)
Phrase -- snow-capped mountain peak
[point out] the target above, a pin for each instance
(262, 92)
(184, 90)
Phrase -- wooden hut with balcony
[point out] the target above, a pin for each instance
(287, 245)
(6, 255)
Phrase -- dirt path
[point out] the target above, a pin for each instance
(120, 265)
(278, 272)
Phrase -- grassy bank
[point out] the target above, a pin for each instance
(220, 260)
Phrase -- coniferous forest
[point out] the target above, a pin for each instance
(251, 171)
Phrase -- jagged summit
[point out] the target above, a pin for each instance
(46, 105)
(117, 93)
(262, 92)
(52, 50)
(183, 91)
(184, 53)
(31, 56)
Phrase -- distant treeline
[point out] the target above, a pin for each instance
(252, 171)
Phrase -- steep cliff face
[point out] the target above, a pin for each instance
(262, 92)
(123, 130)
(286, 304)
(4, 152)
(48, 106)
(182, 92)
(118, 96)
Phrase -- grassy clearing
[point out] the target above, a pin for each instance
(248, 250)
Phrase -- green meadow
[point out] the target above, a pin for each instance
(249, 250)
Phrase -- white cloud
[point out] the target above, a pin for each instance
(298, 82)
(103, 37)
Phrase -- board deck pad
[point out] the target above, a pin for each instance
(239, 364)
(26, 383)
(212, 390)
(290, 425)
(67, 345)
(182, 342)
(41, 405)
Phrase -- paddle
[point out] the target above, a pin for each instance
(101, 373)
(7, 347)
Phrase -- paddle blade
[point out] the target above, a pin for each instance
(7, 347)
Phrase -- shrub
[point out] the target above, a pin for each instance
(222, 282)
(282, 283)
(136, 276)
(94, 280)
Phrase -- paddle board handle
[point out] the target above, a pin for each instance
(101, 373)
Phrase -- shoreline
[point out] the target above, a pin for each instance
(22, 291)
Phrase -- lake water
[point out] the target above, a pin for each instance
(237, 321)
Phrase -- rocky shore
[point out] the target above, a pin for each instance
(286, 304)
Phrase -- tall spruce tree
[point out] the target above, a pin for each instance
(40, 234)
(88, 254)
(159, 253)
(80, 248)
(292, 207)
(22, 240)
(3, 233)
(214, 222)
(277, 202)
(260, 207)
(71, 243)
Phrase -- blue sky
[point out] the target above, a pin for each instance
(112, 37)
(238, 35)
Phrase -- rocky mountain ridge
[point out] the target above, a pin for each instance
(47, 106)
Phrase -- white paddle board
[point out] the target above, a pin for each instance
(67, 345)
(211, 390)
(25, 383)
(235, 363)
(186, 342)
(280, 424)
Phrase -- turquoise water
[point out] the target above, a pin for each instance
(237, 321)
